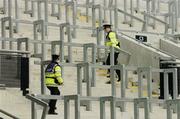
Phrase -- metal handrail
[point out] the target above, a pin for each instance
(8, 114)
(40, 102)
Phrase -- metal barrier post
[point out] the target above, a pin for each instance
(36, 25)
(4, 8)
(123, 87)
(67, 99)
(146, 108)
(132, 13)
(173, 105)
(94, 7)
(68, 29)
(85, 58)
(93, 21)
(88, 82)
(34, 100)
(20, 41)
(113, 107)
(116, 15)
(125, 9)
(31, 11)
(74, 8)
(58, 13)
(99, 38)
(16, 30)
(166, 83)
(33, 110)
(3, 31)
(148, 70)
(112, 55)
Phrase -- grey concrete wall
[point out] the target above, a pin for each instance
(170, 47)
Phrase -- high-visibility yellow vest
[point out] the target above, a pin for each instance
(112, 40)
(53, 75)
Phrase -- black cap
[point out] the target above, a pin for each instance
(107, 26)
(55, 57)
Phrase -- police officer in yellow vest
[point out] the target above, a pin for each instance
(111, 40)
(53, 80)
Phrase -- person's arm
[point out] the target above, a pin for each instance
(58, 74)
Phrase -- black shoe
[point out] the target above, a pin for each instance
(161, 97)
(118, 80)
(52, 113)
(108, 82)
(108, 76)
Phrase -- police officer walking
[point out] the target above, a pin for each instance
(53, 80)
(111, 40)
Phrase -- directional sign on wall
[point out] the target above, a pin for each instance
(141, 38)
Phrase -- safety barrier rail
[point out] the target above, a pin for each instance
(8, 114)
(35, 101)
(138, 103)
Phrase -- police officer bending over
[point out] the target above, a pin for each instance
(53, 80)
(111, 40)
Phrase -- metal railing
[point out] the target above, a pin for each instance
(138, 102)
(35, 101)
(8, 114)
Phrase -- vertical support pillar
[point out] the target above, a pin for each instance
(113, 87)
(116, 15)
(32, 9)
(77, 107)
(93, 84)
(137, 5)
(93, 21)
(132, 12)
(74, 18)
(69, 41)
(87, 10)
(125, 9)
(145, 102)
(169, 111)
(39, 10)
(112, 101)
(16, 16)
(25, 6)
(112, 77)
(112, 55)
(35, 38)
(36, 25)
(88, 83)
(149, 82)
(102, 109)
(105, 15)
(166, 86)
(52, 9)
(175, 84)
(46, 17)
(33, 110)
(3, 31)
(61, 53)
(178, 110)
(59, 10)
(10, 8)
(4, 6)
(79, 80)
(66, 109)
(139, 83)
(98, 30)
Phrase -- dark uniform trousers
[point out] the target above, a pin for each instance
(52, 103)
(115, 63)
